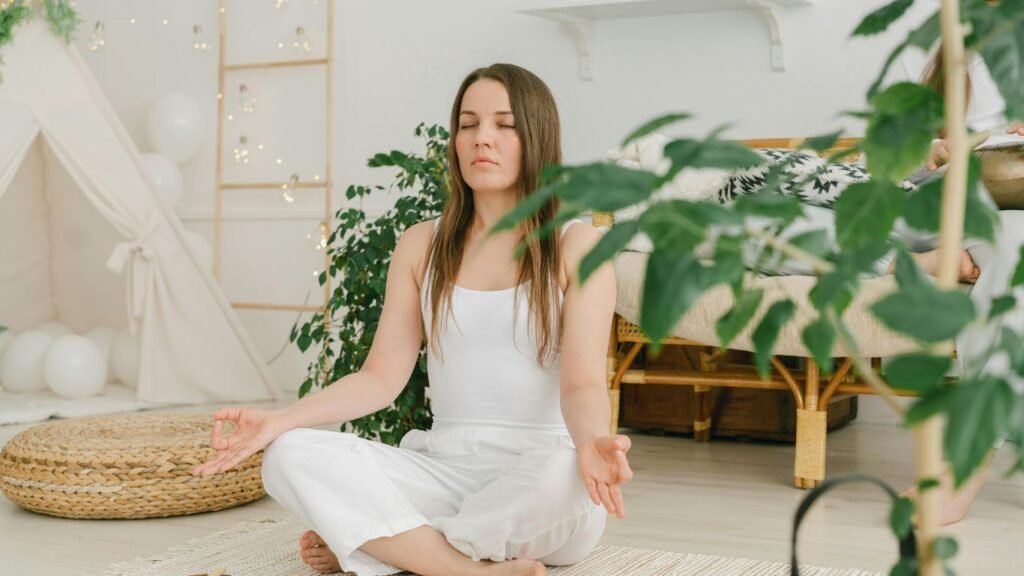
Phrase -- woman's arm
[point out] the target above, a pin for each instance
(392, 355)
(587, 313)
(384, 374)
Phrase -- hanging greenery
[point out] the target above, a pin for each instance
(62, 18)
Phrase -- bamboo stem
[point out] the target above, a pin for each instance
(820, 266)
(928, 461)
(864, 369)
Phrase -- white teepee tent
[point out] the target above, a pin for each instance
(86, 240)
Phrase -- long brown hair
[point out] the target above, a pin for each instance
(934, 76)
(536, 122)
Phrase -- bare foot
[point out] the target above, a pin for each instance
(953, 506)
(518, 567)
(315, 552)
(929, 262)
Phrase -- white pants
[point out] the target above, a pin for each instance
(494, 493)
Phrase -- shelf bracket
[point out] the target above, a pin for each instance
(583, 33)
(767, 10)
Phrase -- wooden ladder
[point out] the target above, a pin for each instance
(326, 184)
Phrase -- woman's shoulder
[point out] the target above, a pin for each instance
(414, 245)
(577, 240)
(579, 232)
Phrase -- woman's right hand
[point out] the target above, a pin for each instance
(938, 156)
(254, 430)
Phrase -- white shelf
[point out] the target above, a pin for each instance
(579, 19)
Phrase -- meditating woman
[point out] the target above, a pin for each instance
(518, 470)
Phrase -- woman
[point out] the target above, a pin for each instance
(518, 470)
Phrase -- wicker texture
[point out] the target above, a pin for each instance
(124, 466)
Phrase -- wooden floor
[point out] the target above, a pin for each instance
(724, 498)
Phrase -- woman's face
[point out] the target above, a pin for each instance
(486, 141)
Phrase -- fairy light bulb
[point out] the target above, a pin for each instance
(288, 187)
(242, 151)
(97, 39)
(280, 3)
(246, 101)
(301, 42)
(198, 40)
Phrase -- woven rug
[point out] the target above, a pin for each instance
(269, 548)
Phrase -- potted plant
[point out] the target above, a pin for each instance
(360, 252)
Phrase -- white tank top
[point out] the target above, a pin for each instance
(488, 377)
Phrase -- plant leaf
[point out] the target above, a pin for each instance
(767, 332)
(880, 20)
(979, 415)
(866, 212)
(899, 134)
(919, 371)
(672, 283)
(819, 337)
(823, 142)
(610, 244)
(914, 312)
(901, 517)
(656, 124)
(736, 319)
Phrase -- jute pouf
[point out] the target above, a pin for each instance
(125, 466)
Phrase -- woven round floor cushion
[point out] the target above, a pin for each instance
(125, 466)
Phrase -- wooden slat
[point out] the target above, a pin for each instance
(279, 307)
(270, 185)
(218, 202)
(276, 64)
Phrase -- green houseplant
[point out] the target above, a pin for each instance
(360, 252)
(901, 122)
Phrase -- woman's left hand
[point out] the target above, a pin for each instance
(1016, 128)
(603, 467)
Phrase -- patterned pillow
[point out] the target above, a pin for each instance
(825, 181)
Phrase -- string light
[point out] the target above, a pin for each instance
(198, 40)
(96, 40)
(280, 3)
(246, 102)
(301, 42)
(288, 187)
(241, 153)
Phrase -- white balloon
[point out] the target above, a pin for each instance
(201, 248)
(55, 329)
(166, 177)
(174, 126)
(21, 368)
(125, 356)
(103, 338)
(75, 367)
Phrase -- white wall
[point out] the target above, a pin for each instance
(400, 62)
